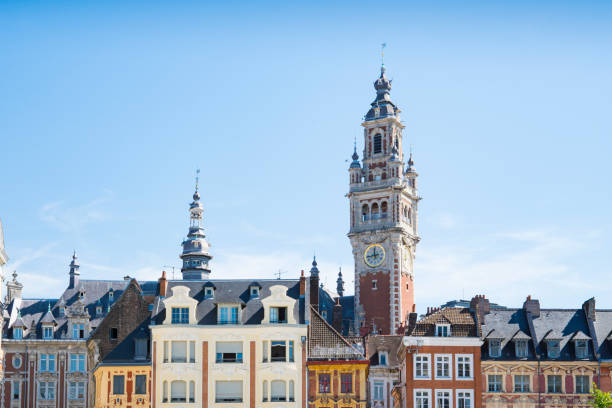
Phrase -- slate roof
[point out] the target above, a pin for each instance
(325, 343)
(388, 343)
(96, 292)
(124, 352)
(461, 321)
(565, 325)
(327, 302)
(232, 291)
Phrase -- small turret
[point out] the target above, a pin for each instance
(340, 284)
(13, 289)
(74, 271)
(314, 284)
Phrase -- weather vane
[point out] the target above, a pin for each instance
(197, 178)
(382, 53)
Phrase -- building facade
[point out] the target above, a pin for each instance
(383, 211)
(535, 357)
(442, 361)
(385, 368)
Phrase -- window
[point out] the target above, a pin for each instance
(442, 330)
(179, 351)
(383, 208)
(494, 348)
(228, 352)
(76, 390)
(46, 390)
(98, 310)
(374, 286)
(191, 391)
(495, 383)
(265, 391)
(377, 143)
(553, 348)
(111, 294)
(277, 392)
(16, 389)
(520, 348)
(382, 358)
(443, 399)
(291, 352)
(265, 351)
(118, 384)
(582, 349)
(228, 315)
(422, 399)
(365, 212)
(166, 354)
(583, 384)
(17, 333)
(140, 349)
(47, 362)
(77, 363)
(141, 384)
(421, 366)
(278, 315)
(47, 332)
(324, 383)
(554, 383)
(192, 351)
(291, 391)
(113, 333)
(443, 364)
(209, 293)
(180, 315)
(464, 366)
(378, 391)
(346, 383)
(228, 391)
(165, 392)
(521, 383)
(464, 399)
(254, 291)
(17, 361)
(178, 391)
(278, 351)
(78, 331)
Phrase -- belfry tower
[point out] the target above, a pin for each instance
(195, 253)
(383, 218)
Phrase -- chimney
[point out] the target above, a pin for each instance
(163, 284)
(337, 316)
(126, 278)
(532, 306)
(412, 321)
(589, 309)
(302, 284)
(13, 289)
(481, 305)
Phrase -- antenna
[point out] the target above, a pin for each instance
(279, 273)
(170, 266)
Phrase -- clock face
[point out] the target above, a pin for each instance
(374, 255)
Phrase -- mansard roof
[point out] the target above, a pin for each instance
(235, 291)
(379, 342)
(326, 344)
(460, 319)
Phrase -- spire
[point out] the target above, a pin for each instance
(382, 105)
(340, 283)
(355, 163)
(410, 167)
(74, 271)
(314, 271)
(195, 254)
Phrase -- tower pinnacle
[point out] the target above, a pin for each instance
(195, 254)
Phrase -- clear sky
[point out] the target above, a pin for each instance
(108, 108)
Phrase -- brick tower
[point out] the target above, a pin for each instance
(383, 219)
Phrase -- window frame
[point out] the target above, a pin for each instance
(550, 349)
(427, 393)
(346, 383)
(470, 358)
(179, 316)
(383, 355)
(46, 328)
(501, 382)
(79, 360)
(520, 387)
(47, 358)
(378, 385)
(45, 388)
(377, 141)
(118, 384)
(517, 347)
(449, 365)
(444, 328)
(586, 349)
(496, 341)
(548, 383)
(136, 384)
(427, 358)
(324, 387)
(588, 384)
(465, 391)
(450, 397)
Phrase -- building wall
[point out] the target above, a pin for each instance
(205, 371)
(538, 378)
(104, 396)
(388, 377)
(453, 384)
(356, 399)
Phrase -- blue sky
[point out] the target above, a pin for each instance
(108, 109)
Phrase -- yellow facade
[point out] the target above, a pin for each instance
(130, 397)
(335, 395)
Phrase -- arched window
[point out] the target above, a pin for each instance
(178, 391)
(265, 391)
(375, 214)
(291, 391)
(278, 391)
(365, 213)
(383, 209)
(377, 143)
(165, 392)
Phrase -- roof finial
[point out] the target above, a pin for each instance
(382, 56)
(197, 179)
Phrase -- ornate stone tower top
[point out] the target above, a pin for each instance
(195, 253)
(74, 271)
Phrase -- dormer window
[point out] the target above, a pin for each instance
(383, 358)
(180, 315)
(520, 348)
(494, 348)
(111, 295)
(47, 332)
(442, 330)
(62, 311)
(140, 347)
(553, 348)
(81, 294)
(209, 293)
(582, 348)
(228, 314)
(254, 291)
(98, 310)
(78, 331)
(18, 333)
(278, 315)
